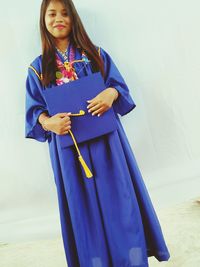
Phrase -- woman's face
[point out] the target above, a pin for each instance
(57, 21)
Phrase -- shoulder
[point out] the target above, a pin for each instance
(102, 52)
(104, 55)
(35, 67)
(98, 48)
(36, 62)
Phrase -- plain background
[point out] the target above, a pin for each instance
(155, 45)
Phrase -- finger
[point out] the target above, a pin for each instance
(102, 112)
(66, 118)
(90, 100)
(65, 132)
(97, 102)
(67, 124)
(67, 128)
(91, 105)
(98, 111)
(97, 106)
(64, 114)
(94, 102)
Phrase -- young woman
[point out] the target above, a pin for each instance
(109, 220)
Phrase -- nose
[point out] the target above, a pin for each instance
(59, 18)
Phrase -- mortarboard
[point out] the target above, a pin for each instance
(72, 97)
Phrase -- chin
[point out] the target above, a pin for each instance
(60, 36)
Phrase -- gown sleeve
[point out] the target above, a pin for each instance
(113, 78)
(34, 106)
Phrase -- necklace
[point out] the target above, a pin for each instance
(66, 71)
(64, 54)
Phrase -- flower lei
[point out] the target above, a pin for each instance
(66, 72)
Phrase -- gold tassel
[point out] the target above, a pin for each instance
(87, 171)
(85, 167)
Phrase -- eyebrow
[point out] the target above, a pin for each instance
(55, 10)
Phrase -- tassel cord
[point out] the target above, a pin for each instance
(80, 157)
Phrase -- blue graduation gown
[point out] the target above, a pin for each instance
(107, 220)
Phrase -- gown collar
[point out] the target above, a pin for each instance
(73, 53)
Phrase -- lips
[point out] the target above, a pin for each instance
(59, 26)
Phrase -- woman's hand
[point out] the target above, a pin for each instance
(103, 101)
(59, 123)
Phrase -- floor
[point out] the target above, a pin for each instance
(180, 226)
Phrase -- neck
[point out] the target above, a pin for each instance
(62, 44)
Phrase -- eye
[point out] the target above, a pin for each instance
(65, 14)
(52, 14)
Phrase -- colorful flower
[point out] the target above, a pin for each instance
(66, 71)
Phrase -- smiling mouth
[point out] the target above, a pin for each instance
(60, 28)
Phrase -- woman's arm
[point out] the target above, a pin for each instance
(113, 78)
(42, 118)
(60, 123)
(103, 101)
(35, 105)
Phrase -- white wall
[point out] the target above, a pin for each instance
(155, 45)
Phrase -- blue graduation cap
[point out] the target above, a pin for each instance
(72, 97)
